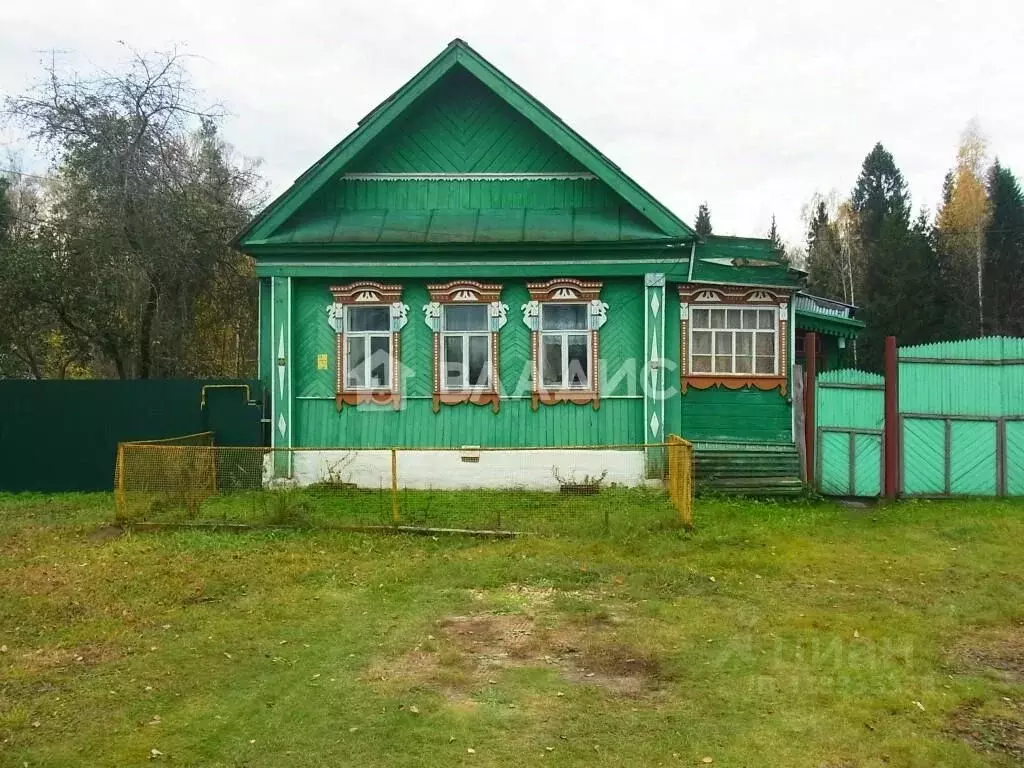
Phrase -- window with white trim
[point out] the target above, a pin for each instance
(465, 347)
(368, 347)
(734, 341)
(565, 351)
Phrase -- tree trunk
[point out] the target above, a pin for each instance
(146, 333)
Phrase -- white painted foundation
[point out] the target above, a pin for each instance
(446, 470)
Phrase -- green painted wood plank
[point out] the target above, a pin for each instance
(973, 466)
(924, 463)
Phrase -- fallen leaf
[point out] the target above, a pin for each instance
(3, 649)
(353, 729)
(414, 709)
(470, 750)
(919, 705)
(707, 760)
(227, 654)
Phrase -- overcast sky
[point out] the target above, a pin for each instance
(752, 106)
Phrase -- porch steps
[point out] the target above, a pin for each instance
(747, 469)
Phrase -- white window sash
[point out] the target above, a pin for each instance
(465, 385)
(774, 330)
(565, 381)
(366, 365)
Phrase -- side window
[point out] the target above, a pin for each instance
(733, 337)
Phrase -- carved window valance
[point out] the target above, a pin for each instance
(733, 337)
(367, 318)
(564, 316)
(465, 317)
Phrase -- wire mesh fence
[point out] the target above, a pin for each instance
(539, 490)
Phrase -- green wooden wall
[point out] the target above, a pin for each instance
(736, 415)
(461, 126)
(317, 423)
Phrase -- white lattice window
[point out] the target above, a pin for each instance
(734, 341)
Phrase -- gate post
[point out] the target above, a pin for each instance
(891, 444)
(810, 393)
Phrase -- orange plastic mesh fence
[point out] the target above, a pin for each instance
(577, 489)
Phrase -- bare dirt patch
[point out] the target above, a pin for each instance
(990, 733)
(1000, 650)
(468, 651)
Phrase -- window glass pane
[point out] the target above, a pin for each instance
(563, 317)
(744, 344)
(452, 362)
(356, 353)
(723, 364)
(766, 343)
(764, 365)
(723, 343)
(579, 371)
(732, 318)
(718, 318)
(375, 318)
(479, 355)
(766, 318)
(701, 318)
(744, 364)
(380, 361)
(750, 318)
(551, 361)
(701, 343)
(701, 364)
(465, 317)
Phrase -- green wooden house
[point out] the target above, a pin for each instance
(464, 270)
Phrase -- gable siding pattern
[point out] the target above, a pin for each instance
(461, 126)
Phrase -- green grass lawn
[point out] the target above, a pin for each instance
(774, 635)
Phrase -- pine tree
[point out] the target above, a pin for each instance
(776, 239)
(703, 225)
(880, 194)
(891, 290)
(1004, 250)
(824, 259)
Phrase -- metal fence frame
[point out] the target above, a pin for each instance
(161, 466)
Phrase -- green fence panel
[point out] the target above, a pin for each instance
(1013, 458)
(834, 463)
(63, 435)
(867, 467)
(973, 467)
(924, 457)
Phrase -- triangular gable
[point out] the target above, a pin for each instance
(357, 147)
(463, 127)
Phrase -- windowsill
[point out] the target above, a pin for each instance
(763, 381)
(475, 396)
(576, 396)
(367, 397)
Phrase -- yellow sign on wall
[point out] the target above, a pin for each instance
(321, 362)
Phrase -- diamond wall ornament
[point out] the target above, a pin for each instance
(655, 304)
(655, 423)
(282, 425)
